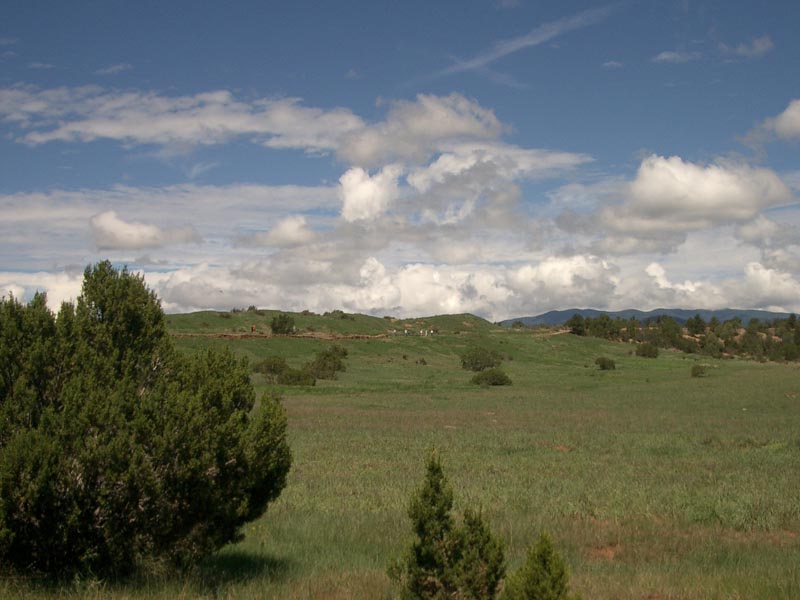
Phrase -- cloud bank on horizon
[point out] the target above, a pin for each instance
(584, 159)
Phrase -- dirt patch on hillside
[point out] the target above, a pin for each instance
(609, 552)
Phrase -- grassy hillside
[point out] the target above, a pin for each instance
(333, 324)
(652, 483)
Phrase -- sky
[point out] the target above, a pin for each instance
(497, 157)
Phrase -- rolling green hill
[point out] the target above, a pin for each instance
(651, 482)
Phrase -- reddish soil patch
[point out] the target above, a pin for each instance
(562, 448)
(606, 552)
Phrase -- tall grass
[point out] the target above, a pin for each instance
(652, 483)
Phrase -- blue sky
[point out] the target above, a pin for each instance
(497, 157)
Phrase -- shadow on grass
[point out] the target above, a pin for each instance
(209, 576)
(237, 566)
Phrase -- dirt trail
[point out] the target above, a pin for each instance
(265, 336)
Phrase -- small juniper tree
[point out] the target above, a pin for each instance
(445, 560)
(543, 576)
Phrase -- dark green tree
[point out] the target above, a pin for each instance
(696, 325)
(576, 324)
(543, 576)
(282, 324)
(445, 560)
(479, 358)
(114, 448)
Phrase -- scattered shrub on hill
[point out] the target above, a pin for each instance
(491, 377)
(339, 314)
(282, 324)
(478, 358)
(699, 371)
(576, 324)
(518, 325)
(272, 365)
(114, 448)
(543, 576)
(291, 376)
(446, 560)
(605, 363)
(327, 363)
(422, 361)
(647, 350)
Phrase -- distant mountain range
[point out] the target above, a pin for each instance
(557, 317)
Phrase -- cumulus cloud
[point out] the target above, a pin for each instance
(669, 198)
(757, 48)
(364, 197)
(496, 161)
(413, 130)
(787, 124)
(288, 232)
(779, 242)
(109, 232)
(671, 194)
(62, 286)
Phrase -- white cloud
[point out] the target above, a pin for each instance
(412, 131)
(496, 161)
(114, 69)
(90, 113)
(60, 286)
(668, 199)
(288, 232)
(109, 232)
(613, 64)
(41, 66)
(787, 124)
(757, 48)
(677, 56)
(671, 194)
(366, 198)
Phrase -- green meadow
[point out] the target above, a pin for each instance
(653, 484)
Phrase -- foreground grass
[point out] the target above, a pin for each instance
(652, 483)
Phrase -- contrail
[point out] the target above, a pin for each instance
(537, 36)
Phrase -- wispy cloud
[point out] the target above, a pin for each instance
(677, 56)
(535, 37)
(114, 69)
(612, 64)
(757, 48)
(41, 66)
(200, 168)
(7, 41)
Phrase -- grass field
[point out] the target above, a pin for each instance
(653, 484)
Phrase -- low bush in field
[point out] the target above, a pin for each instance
(291, 376)
(327, 363)
(272, 365)
(605, 363)
(647, 350)
(491, 377)
(699, 371)
(478, 359)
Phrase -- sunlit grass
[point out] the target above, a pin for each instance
(652, 483)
